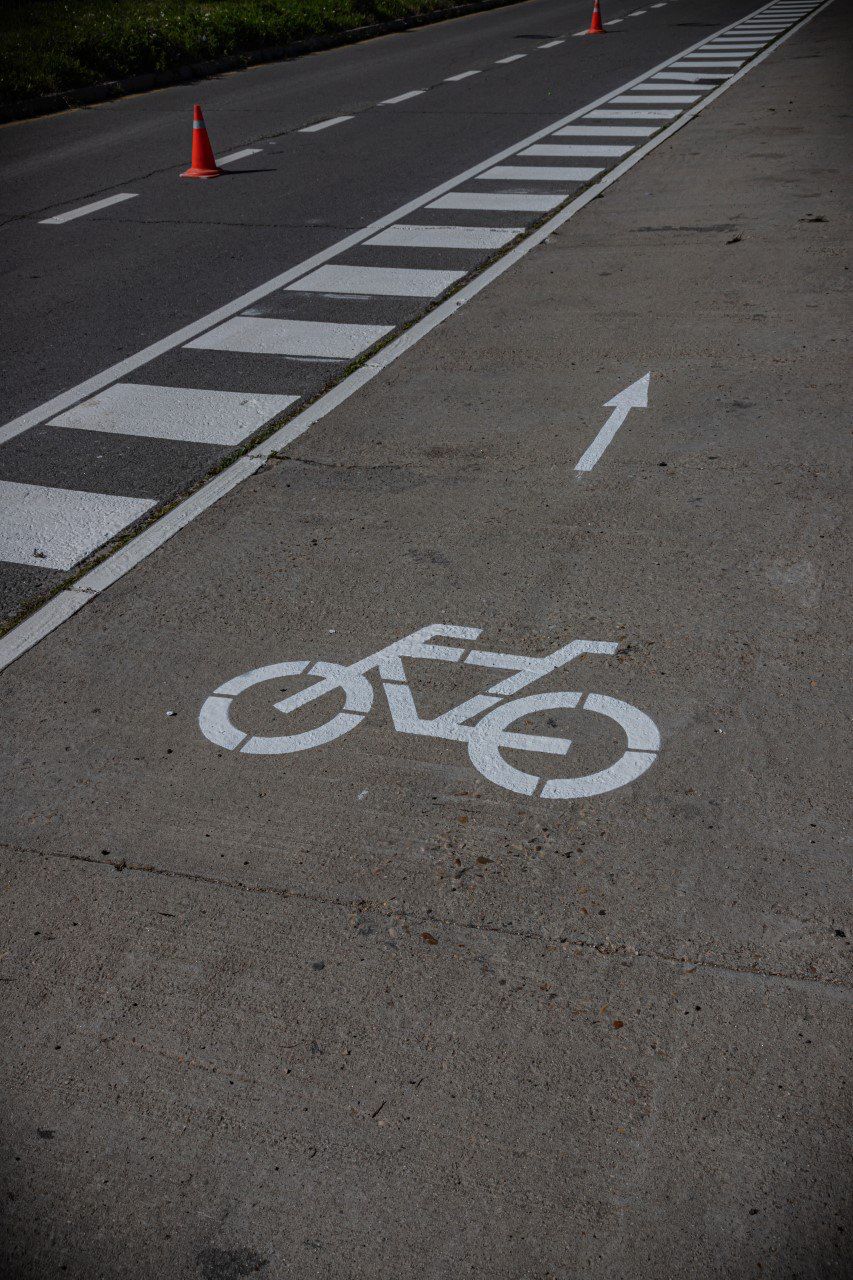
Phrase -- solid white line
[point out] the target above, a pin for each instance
(238, 155)
(49, 616)
(87, 208)
(257, 335)
(176, 413)
(409, 236)
(513, 57)
(56, 528)
(391, 282)
(122, 368)
(324, 124)
(463, 75)
(401, 97)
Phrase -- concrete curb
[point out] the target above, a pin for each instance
(110, 89)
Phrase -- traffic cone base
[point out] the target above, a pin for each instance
(596, 26)
(203, 162)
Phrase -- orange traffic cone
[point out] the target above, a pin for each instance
(203, 163)
(596, 27)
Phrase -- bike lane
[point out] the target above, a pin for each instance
(361, 1008)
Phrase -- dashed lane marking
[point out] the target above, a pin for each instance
(324, 124)
(176, 413)
(239, 155)
(401, 97)
(550, 44)
(513, 57)
(85, 209)
(463, 75)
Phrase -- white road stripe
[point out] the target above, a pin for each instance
(550, 44)
(401, 97)
(513, 57)
(259, 335)
(409, 236)
(57, 528)
(636, 13)
(238, 155)
(87, 208)
(324, 124)
(606, 131)
(511, 203)
(537, 173)
(463, 75)
(650, 114)
(176, 413)
(659, 100)
(396, 282)
(611, 22)
(576, 150)
(689, 78)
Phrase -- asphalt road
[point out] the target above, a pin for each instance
(436, 997)
(81, 295)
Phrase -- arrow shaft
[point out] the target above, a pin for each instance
(602, 440)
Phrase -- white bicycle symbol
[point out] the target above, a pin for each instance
(486, 738)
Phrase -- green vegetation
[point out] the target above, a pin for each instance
(50, 46)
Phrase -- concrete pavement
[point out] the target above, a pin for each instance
(361, 1010)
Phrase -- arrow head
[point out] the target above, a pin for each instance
(634, 397)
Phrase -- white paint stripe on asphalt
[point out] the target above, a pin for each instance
(176, 413)
(690, 78)
(43, 621)
(408, 236)
(660, 100)
(650, 114)
(606, 131)
(513, 57)
(87, 208)
(238, 155)
(537, 173)
(324, 124)
(636, 13)
(122, 368)
(570, 150)
(259, 335)
(57, 528)
(401, 97)
(611, 22)
(396, 282)
(511, 203)
(550, 44)
(695, 82)
(463, 75)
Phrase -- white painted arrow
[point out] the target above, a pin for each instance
(634, 397)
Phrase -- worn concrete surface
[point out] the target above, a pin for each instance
(359, 1012)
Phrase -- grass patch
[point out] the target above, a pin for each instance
(50, 46)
